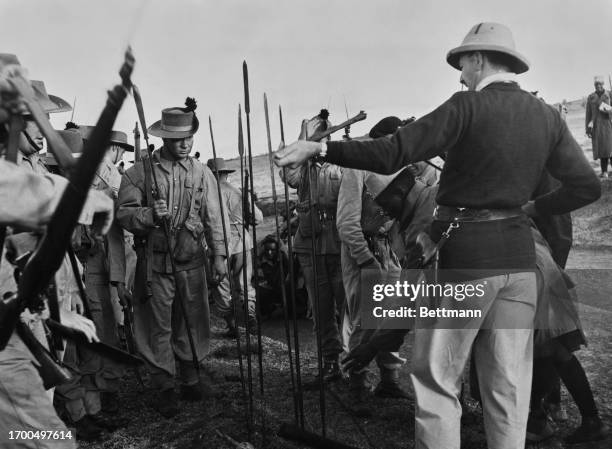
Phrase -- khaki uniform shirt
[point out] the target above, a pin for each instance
(232, 202)
(190, 191)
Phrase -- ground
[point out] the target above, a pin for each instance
(390, 424)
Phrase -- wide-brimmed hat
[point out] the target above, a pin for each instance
(72, 139)
(118, 138)
(218, 165)
(598, 79)
(177, 123)
(489, 36)
(49, 103)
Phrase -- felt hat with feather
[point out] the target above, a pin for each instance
(177, 123)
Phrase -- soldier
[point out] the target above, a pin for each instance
(24, 404)
(325, 181)
(494, 232)
(188, 199)
(105, 271)
(364, 228)
(598, 124)
(232, 198)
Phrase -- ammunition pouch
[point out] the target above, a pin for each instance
(189, 242)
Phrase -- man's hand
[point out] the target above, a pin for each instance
(529, 209)
(99, 208)
(589, 130)
(297, 153)
(79, 323)
(160, 209)
(219, 270)
(125, 297)
(359, 358)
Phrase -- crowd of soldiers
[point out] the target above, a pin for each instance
(372, 204)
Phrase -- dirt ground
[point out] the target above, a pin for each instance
(390, 422)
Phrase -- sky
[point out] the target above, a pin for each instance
(386, 57)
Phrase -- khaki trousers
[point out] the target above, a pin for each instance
(502, 345)
(222, 294)
(24, 403)
(352, 333)
(160, 331)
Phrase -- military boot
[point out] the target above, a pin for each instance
(359, 385)
(331, 370)
(86, 429)
(389, 386)
(591, 429)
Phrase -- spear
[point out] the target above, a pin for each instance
(243, 186)
(247, 110)
(296, 345)
(281, 267)
(230, 277)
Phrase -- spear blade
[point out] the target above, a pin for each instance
(240, 137)
(245, 78)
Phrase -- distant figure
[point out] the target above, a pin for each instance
(197, 155)
(598, 124)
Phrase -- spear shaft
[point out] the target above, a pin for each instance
(280, 260)
(230, 278)
(296, 341)
(247, 110)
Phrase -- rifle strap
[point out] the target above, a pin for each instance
(147, 165)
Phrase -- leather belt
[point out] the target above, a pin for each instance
(463, 214)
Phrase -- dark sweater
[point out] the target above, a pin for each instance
(497, 144)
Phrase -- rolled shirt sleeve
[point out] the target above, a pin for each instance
(28, 199)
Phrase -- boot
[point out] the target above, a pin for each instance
(232, 330)
(359, 385)
(538, 427)
(591, 429)
(87, 429)
(389, 386)
(167, 403)
(331, 370)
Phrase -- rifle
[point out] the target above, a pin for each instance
(166, 227)
(317, 136)
(49, 255)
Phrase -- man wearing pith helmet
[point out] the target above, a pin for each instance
(189, 201)
(494, 127)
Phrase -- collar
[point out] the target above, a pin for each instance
(501, 77)
(166, 165)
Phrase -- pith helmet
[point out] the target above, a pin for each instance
(598, 79)
(489, 36)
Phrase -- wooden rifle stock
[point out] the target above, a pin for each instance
(51, 370)
(317, 136)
